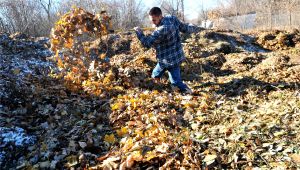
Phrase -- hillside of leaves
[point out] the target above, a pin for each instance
(85, 100)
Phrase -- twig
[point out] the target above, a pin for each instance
(242, 162)
(265, 161)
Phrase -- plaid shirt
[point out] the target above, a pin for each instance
(166, 40)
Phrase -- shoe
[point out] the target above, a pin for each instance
(175, 88)
(187, 91)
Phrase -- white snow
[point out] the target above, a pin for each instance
(15, 135)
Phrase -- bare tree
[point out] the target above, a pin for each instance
(89, 5)
(32, 17)
(127, 14)
(46, 5)
(17, 15)
(173, 7)
(291, 6)
(182, 9)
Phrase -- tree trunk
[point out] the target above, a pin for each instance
(290, 18)
(271, 14)
(182, 8)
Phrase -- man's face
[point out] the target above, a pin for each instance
(155, 19)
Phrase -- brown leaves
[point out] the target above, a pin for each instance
(278, 40)
(110, 138)
(68, 41)
(296, 158)
(229, 122)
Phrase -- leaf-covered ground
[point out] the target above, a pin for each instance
(244, 112)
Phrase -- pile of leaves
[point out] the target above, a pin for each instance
(279, 40)
(99, 108)
(75, 39)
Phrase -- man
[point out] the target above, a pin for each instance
(167, 43)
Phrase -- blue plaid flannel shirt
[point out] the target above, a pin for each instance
(166, 40)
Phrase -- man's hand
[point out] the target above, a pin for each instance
(137, 29)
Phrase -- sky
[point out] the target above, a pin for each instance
(192, 7)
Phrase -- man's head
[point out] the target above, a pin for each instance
(155, 15)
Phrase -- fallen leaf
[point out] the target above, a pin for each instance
(16, 71)
(110, 163)
(129, 161)
(110, 138)
(295, 158)
(163, 148)
(123, 131)
(209, 159)
(82, 144)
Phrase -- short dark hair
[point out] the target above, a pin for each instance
(156, 11)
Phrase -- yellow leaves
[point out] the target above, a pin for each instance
(60, 63)
(150, 155)
(295, 158)
(151, 118)
(60, 22)
(102, 56)
(70, 27)
(110, 138)
(127, 143)
(278, 165)
(155, 92)
(103, 29)
(69, 43)
(139, 133)
(54, 41)
(152, 131)
(123, 131)
(109, 77)
(117, 106)
(279, 133)
(200, 119)
(250, 155)
(136, 155)
(133, 103)
(120, 88)
(144, 96)
(74, 7)
(190, 104)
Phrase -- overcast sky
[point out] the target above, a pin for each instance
(192, 7)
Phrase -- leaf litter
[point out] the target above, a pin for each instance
(99, 108)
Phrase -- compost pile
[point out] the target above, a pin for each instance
(89, 102)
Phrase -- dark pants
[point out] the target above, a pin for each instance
(174, 75)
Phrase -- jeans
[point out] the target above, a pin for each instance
(174, 75)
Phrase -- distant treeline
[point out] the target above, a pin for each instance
(37, 17)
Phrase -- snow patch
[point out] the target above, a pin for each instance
(16, 136)
(2, 156)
